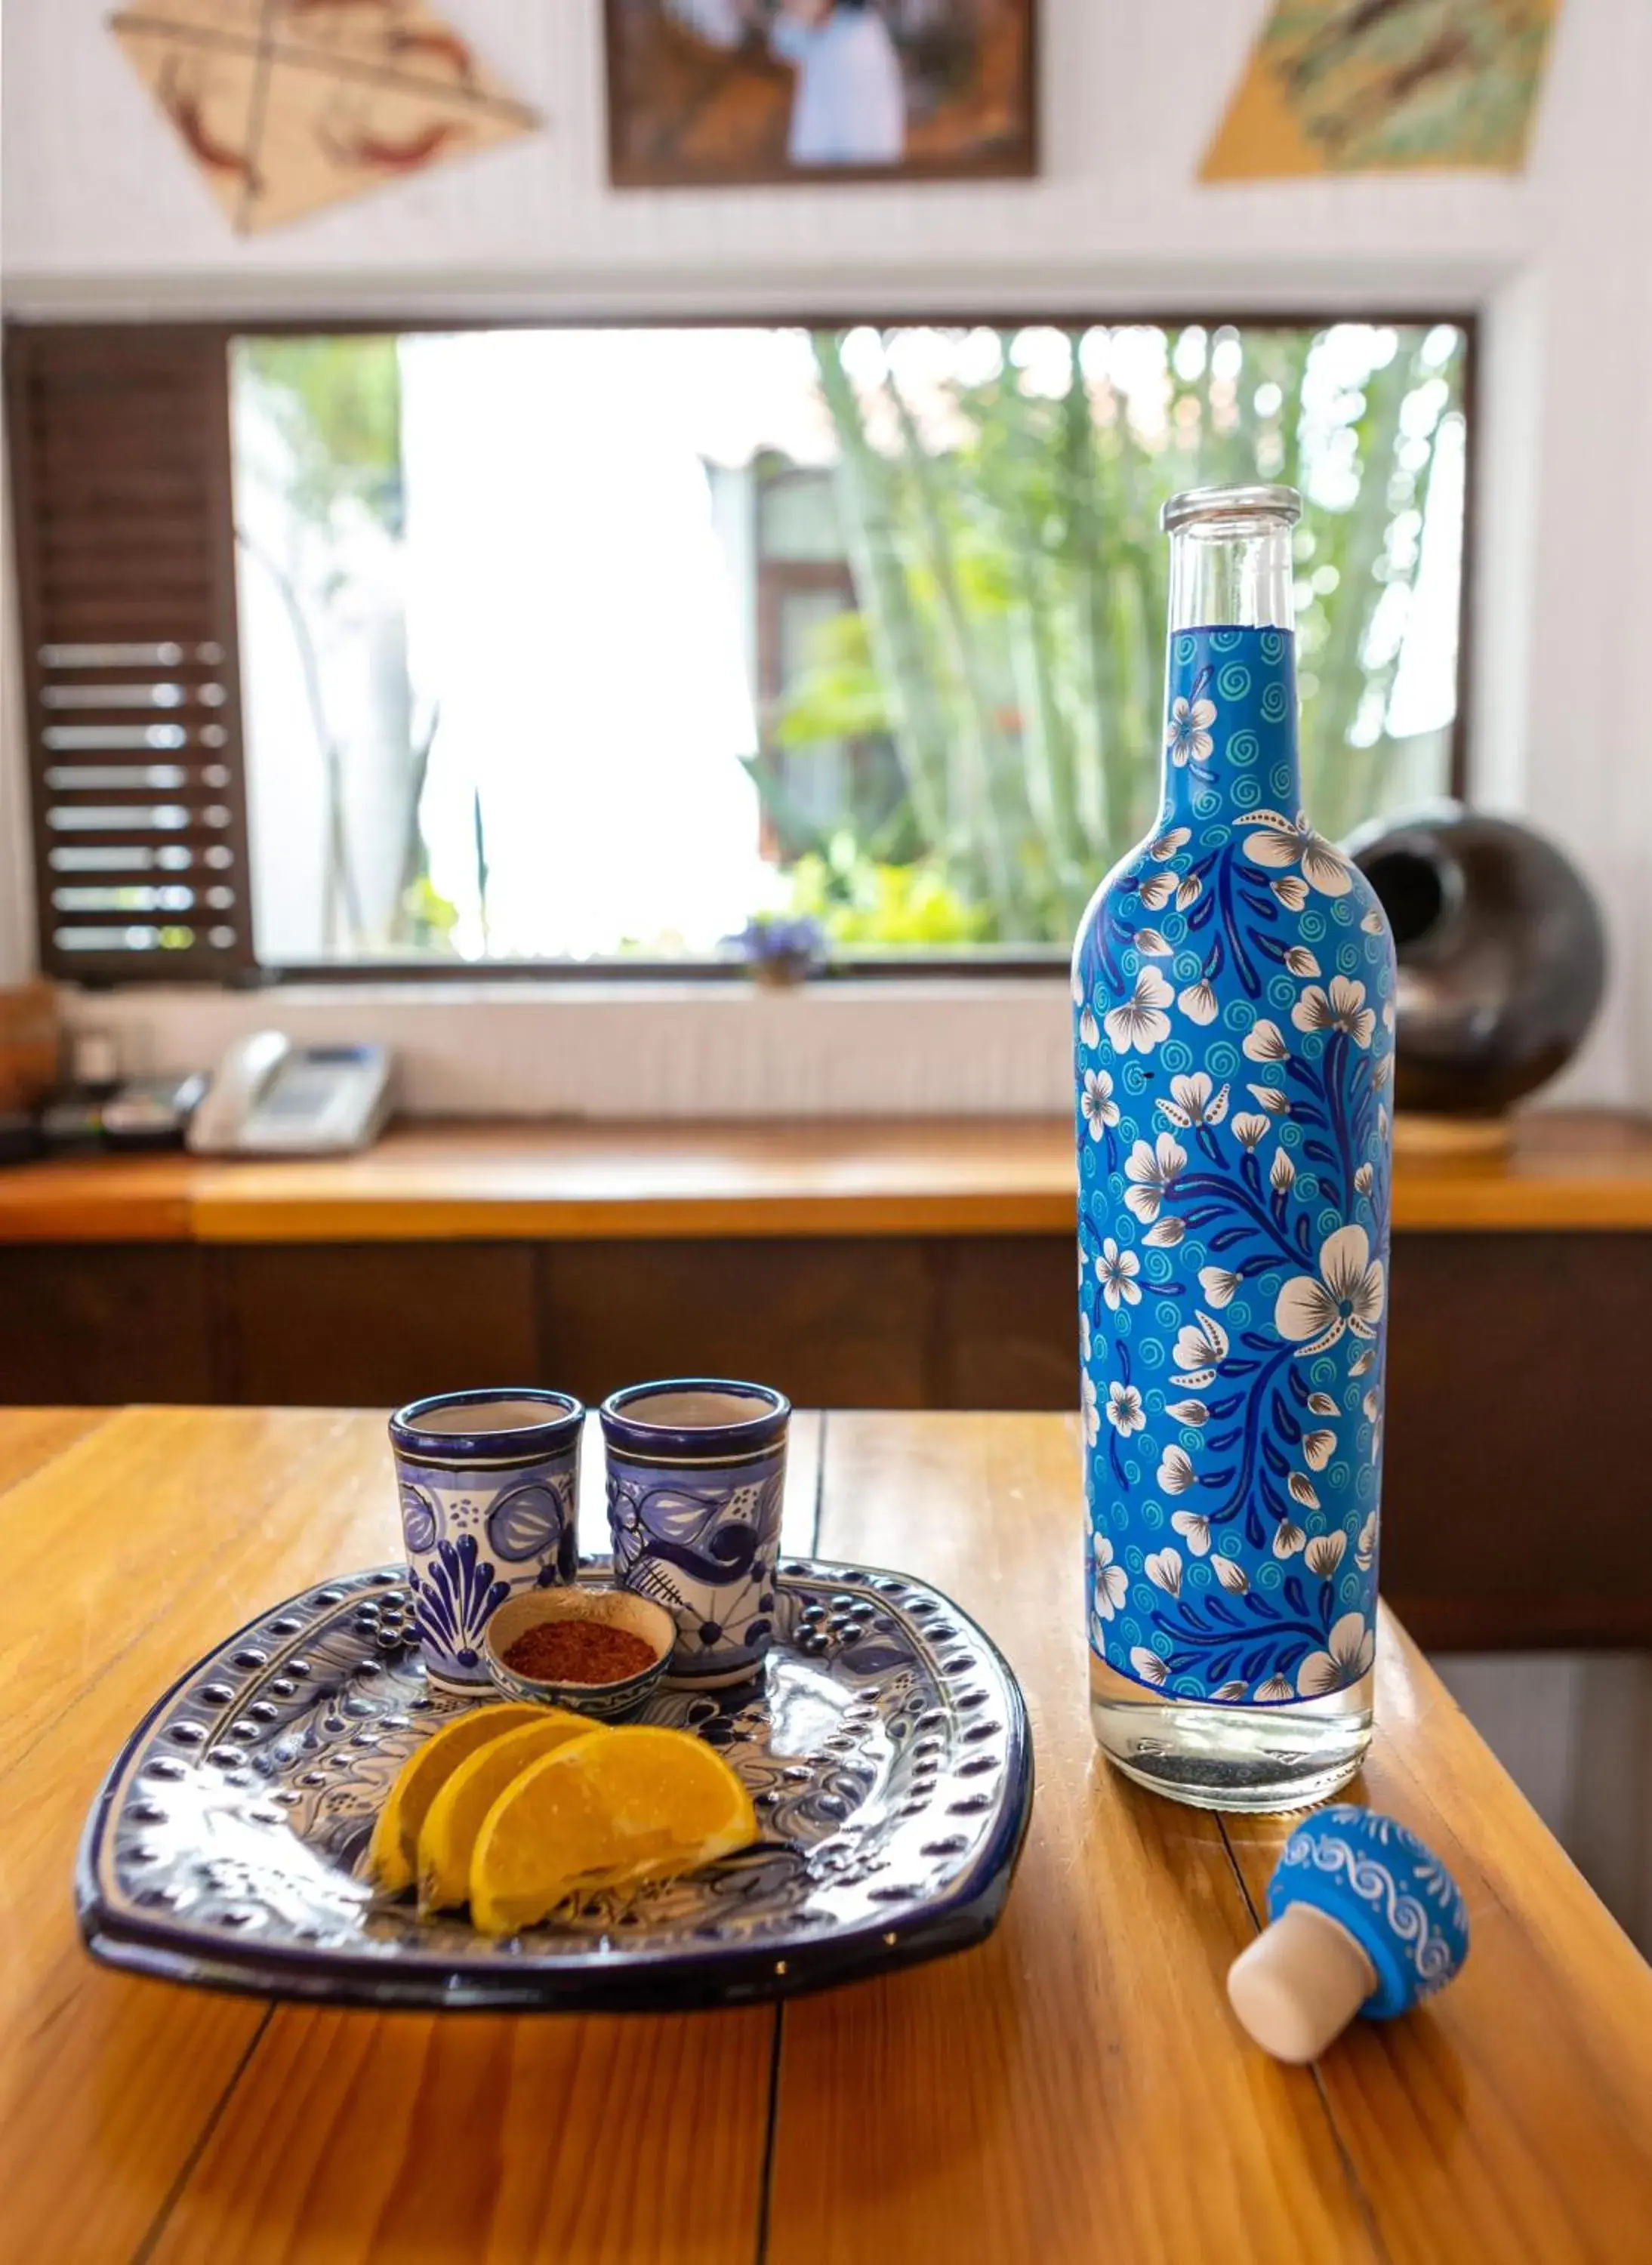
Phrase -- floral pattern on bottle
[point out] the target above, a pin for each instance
(1232, 986)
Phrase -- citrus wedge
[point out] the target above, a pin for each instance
(623, 1806)
(448, 1833)
(394, 1848)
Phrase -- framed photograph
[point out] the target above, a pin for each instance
(709, 92)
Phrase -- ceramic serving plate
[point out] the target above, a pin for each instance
(885, 1747)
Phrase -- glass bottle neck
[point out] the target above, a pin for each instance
(1231, 573)
(1230, 738)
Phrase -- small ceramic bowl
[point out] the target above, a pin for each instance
(619, 1608)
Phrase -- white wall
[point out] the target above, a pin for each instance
(102, 215)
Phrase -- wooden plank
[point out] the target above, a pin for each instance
(841, 1320)
(99, 1200)
(1577, 1171)
(151, 1538)
(1075, 2089)
(1510, 2118)
(378, 1324)
(85, 1325)
(30, 1438)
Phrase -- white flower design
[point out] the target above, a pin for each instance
(1157, 891)
(1194, 1529)
(1141, 1021)
(1191, 1102)
(1151, 944)
(1372, 922)
(1348, 1295)
(1277, 840)
(1352, 1646)
(1340, 1009)
(1281, 1174)
(1250, 1132)
(1320, 1403)
(1096, 1103)
(1300, 961)
(1276, 1686)
(1291, 892)
(1366, 1548)
(1301, 1488)
(1092, 1411)
(1361, 1365)
(1166, 844)
(1265, 1042)
(1272, 1099)
(1324, 1553)
(1200, 1351)
(1166, 1233)
(1219, 1285)
(1187, 891)
(1089, 1029)
(1382, 1071)
(1112, 1583)
(1318, 1447)
(1116, 1270)
(1198, 1003)
(1176, 1473)
(1193, 1412)
(1288, 1537)
(1154, 1170)
(1188, 733)
(1124, 1411)
(1228, 1691)
(1148, 1665)
(1366, 1179)
(1084, 1333)
(1231, 1575)
(1164, 1571)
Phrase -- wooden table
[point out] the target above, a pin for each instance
(1075, 2090)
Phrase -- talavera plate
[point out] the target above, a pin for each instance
(886, 1749)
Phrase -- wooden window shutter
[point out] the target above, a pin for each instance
(119, 441)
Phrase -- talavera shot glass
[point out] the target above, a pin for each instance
(490, 1488)
(696, 1468)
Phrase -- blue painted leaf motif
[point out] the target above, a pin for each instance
(454, 1598)
(1263, 1242)
(526, 1522)
(420, 1521)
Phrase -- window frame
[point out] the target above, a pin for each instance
(988, 962)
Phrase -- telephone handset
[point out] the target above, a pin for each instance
(269, 1097)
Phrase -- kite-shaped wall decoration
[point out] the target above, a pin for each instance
(1366, 86)
(286, 105)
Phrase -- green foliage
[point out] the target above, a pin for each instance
(337, 403)
(1002, 534)
(860, 902)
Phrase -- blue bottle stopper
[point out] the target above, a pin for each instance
(1364, 1919)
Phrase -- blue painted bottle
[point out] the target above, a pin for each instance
(1232, 983)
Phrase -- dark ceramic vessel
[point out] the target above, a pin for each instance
(1502, 956)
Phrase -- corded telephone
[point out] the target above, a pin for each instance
(269, 1097)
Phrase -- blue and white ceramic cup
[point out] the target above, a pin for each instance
(490, 1488)
(696, 1467)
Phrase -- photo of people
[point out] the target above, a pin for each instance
(709, 92)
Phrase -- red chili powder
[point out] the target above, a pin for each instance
(578, 1651)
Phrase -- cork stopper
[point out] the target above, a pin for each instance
(1299, 1984)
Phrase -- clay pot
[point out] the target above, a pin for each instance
(1502, 956)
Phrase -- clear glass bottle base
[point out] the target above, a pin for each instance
(1264, 1759)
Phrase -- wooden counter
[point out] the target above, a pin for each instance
(592, 1182)
(1075, 2090)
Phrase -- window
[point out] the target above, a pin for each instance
(576, 646)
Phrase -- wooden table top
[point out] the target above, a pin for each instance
(1568, 1169)
(1074, 2090)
